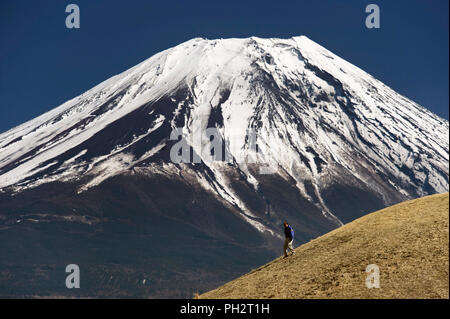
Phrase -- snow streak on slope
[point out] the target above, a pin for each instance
(320, 121)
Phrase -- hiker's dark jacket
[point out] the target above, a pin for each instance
(288, 232)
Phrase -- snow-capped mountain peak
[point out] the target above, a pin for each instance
(320, 122)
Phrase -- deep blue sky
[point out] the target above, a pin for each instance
(43, 64)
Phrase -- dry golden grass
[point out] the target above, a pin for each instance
(408, 241)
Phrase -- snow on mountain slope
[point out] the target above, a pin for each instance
(320, 122)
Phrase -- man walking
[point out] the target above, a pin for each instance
(289, 234)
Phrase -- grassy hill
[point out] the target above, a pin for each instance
(408, 241)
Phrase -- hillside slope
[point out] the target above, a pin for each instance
(408, 241)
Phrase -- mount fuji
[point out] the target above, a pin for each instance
(93, 181)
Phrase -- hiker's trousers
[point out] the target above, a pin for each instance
(288, 245)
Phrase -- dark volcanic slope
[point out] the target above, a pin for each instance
(126, 237)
